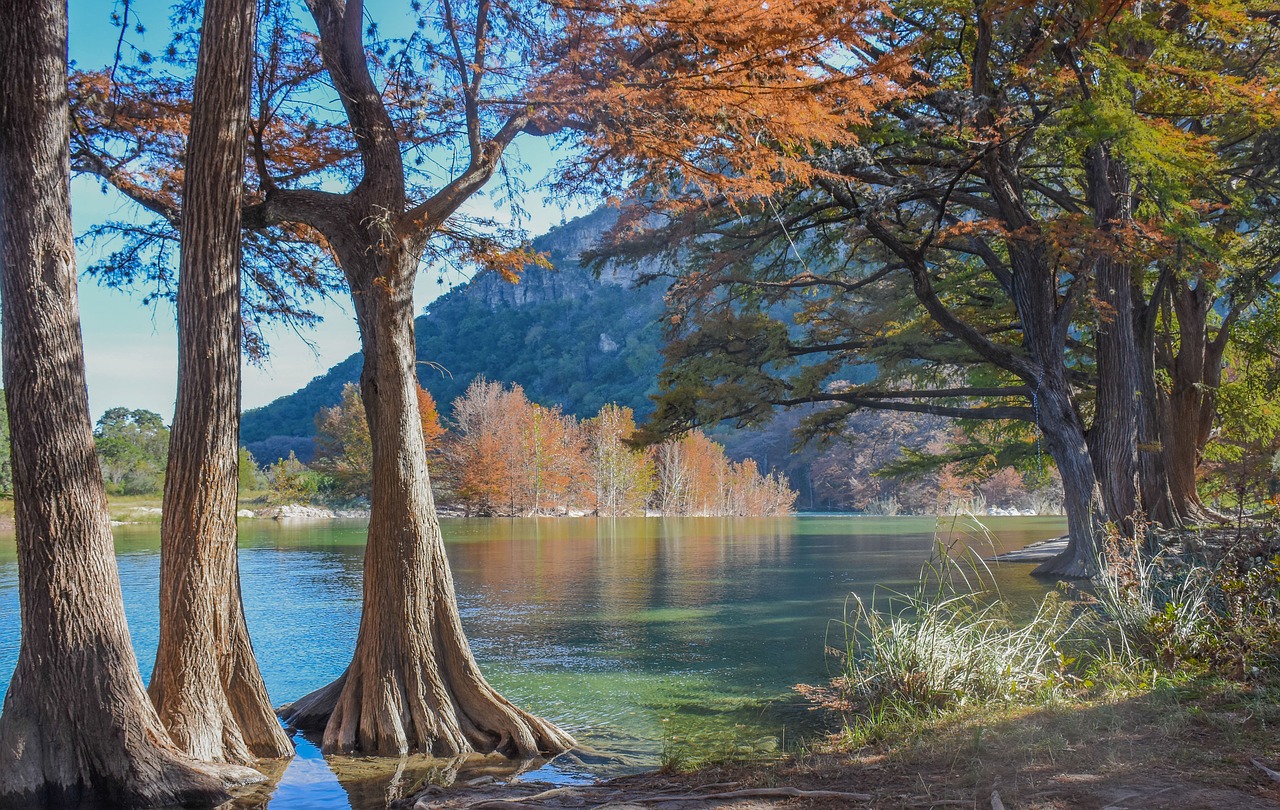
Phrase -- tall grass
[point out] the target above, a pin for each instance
(1190, 616)
(1148, 602)
(950, 642)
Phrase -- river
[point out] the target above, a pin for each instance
(647, 638)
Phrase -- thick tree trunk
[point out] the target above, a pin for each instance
(1188, 408)
(76, 725)
(413, 684)
(206, 684)
(1114, 439)
(1065, 440)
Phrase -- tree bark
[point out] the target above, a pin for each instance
(1065, 441)
(1188, 407)
(76, 725)
(206, 684)
(1114, 439)
(413, 683)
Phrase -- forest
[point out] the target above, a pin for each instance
(1021, 250)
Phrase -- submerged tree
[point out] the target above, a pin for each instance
(76, 724)
(206, 684)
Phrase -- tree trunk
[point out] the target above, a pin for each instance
(413, 683)
(76, 725)
(206, 684)
(1065, 441)
(1155, 432)
(1114, 439)
(1188, 408)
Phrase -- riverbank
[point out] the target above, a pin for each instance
(1203, 744)
(1163, 691)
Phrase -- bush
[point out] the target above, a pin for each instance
(289, 481)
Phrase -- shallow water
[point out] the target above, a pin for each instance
(643, 637)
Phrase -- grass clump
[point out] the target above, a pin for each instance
(1147, 621)
(950, 643)
(1215, 614)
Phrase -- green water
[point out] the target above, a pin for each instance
(643, 637)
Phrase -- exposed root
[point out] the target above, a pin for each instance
(1067, 565)
(311, 711)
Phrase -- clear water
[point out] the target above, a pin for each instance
(642, 637)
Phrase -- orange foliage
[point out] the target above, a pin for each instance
(509, 456)
(432, 430)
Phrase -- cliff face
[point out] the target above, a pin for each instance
(568, 337)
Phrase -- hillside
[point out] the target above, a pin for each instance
(567, 337)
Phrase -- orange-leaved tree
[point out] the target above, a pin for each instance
(623, 477)
(364, 150)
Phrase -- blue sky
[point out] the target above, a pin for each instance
(131, 349)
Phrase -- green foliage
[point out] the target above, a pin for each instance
(565, 337)
(133, 448)
(1248, 436)
(6, 460)
(1193, 618)
(289, 481)
(250, 476)
(344, 449)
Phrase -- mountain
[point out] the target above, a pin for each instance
(568, 337)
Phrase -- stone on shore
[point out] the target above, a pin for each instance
(296, 511)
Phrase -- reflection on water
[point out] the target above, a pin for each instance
(638, 635)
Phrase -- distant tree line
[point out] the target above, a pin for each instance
(504, 455)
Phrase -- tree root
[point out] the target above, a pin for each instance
(1064, 566)
(311, 711)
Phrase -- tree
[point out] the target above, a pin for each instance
(623, 476)
(344, 450)
(248, 477)
(510, 456)
(1007, 222)
(6, 464)
(206, 684)
(76, 724)
(432, 429)
(289, 481)
(471, 79)
(133, 448)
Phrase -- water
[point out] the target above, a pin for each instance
(643, 637)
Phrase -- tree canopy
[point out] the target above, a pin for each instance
(1063, 221)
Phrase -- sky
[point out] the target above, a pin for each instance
(131, 348)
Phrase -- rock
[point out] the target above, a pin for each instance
(296, 511)
(246, 513)
(352, 513)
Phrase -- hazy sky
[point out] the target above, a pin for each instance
(130, 349)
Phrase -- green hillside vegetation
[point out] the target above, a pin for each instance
(568, 338)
